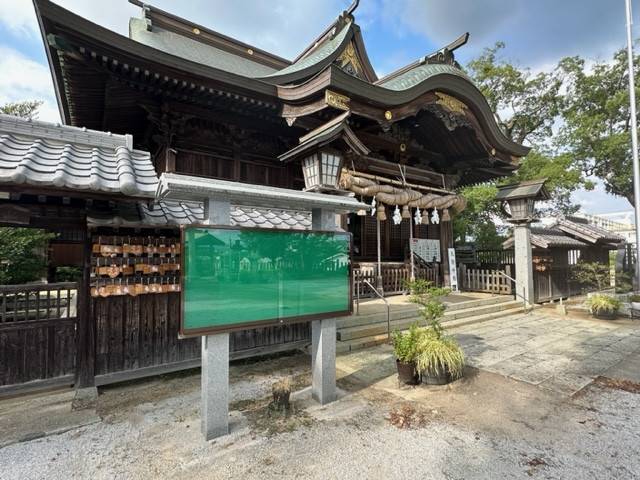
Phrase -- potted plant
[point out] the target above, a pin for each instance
(404, 347)
(635, 302)
(439, 358)
(604, 306)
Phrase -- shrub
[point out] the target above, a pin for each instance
(592, 274)
(439, 354)
(405, 343)
(634, 298)
(603, 304)
(20, 260)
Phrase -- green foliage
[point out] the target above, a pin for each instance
(27, 109)
(405, 343)
(476, 221)
(418, 287)
(603, 304)
(19, 258)
(530, 105)
(596, 128)
(624, 283)
(634, 298)
(439, 354)
(531, 101)
(592, 274)
(68, 274)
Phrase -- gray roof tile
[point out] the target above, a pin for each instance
(171, 213)
(54, 156)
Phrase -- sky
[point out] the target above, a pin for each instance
(396, 32)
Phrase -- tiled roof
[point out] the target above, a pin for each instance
(54, 156)
(419, 74)
(172, 213)
(325, 51)
(189, 49)
(550, 237)
(592, 233)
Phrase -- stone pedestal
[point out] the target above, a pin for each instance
(524, 264)
(323, 360)
(323, 333)
(215, 386)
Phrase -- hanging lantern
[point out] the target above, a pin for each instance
(382, 215)
(373, 206)
(435, 218)
(321, 170)
(397, 217)
(445, 215)
(406, 213)
(425, 217)
(416, 217)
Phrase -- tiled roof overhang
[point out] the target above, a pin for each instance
(52, 156)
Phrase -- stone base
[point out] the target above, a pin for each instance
(85, 398)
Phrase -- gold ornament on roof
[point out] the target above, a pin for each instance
(388, 115)
(450, 103)
(336, 100)
(349, 56)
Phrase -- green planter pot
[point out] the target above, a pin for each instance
(606, 315)
(441, 378)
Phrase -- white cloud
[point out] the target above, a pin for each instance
(25, 79)
(18, 16)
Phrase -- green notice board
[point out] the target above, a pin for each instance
(235, 278)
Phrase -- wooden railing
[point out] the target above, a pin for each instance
(485, 280)
(394, 278)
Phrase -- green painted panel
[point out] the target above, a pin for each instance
(234, 276)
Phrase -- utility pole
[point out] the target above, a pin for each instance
(634, 140)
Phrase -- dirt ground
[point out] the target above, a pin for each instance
(483, 426)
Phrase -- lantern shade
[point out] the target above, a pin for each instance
(322, 170)
(521, 199)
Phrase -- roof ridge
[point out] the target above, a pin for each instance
(55, 131)
(218, 40)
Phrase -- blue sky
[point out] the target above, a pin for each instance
(537, 33)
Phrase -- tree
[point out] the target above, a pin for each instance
(22, 256)
(529, 103)
(597, 120)
(528, 107)
(26, 109)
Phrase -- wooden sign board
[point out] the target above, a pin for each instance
(237, 278)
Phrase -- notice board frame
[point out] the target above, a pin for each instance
(272, 322)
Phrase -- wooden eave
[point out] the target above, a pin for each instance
(333, 78)
(127, 53)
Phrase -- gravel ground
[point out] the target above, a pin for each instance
(484, 427)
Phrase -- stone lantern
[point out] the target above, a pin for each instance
(518, 201)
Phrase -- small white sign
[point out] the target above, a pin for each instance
(453, 272)
(426, 248)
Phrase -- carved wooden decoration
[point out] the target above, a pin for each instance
(336, 100)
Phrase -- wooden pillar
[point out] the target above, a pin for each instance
(86, 392)
(446, 242)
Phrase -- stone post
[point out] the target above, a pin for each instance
(215, 353)
(323, 333)
(524, 262)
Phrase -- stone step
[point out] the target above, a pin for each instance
(357, 328)
(377, 313)
(370, 341)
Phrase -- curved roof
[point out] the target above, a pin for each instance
(412, 77)
(316, 59)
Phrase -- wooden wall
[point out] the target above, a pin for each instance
(138, 336)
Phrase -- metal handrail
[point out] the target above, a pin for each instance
(386, 302)
(527, 304)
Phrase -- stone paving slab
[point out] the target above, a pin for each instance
(559, 354)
